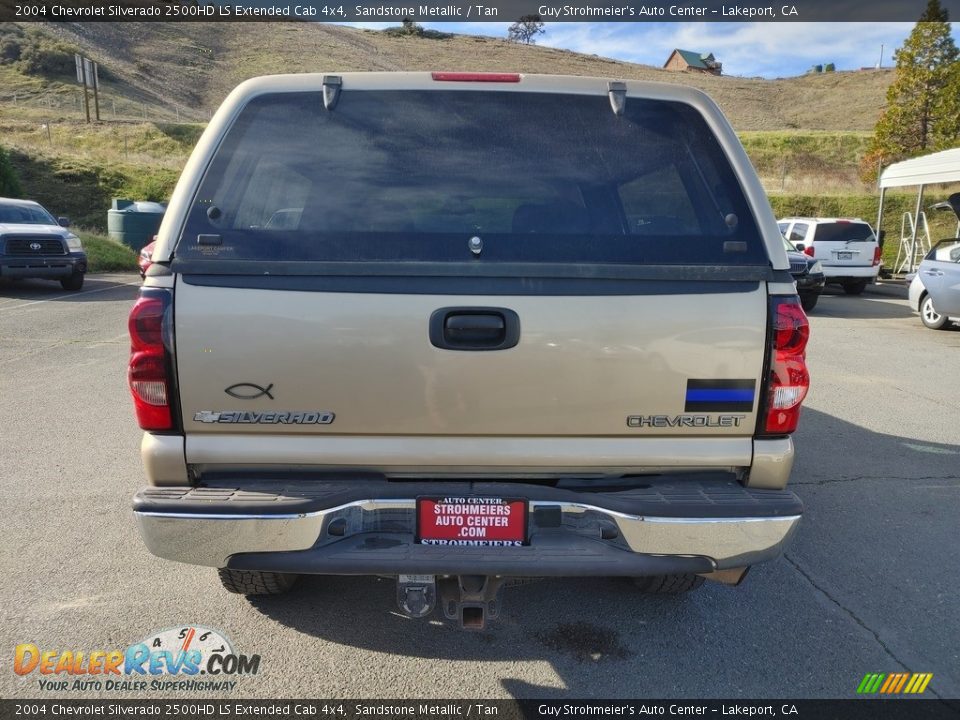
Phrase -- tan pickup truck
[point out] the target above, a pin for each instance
(458, 328)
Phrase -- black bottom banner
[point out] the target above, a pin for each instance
(190, 709)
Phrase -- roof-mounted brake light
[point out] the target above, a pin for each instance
(475, 77)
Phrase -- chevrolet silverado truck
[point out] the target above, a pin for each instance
(461, 328)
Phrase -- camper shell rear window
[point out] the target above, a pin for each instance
(468, 177)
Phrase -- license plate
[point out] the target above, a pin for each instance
(844, 256)
(486, 521)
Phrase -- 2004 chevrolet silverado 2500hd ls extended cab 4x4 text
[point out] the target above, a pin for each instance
(457, 328)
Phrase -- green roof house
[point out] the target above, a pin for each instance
(680, 60)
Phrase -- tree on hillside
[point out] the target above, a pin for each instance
(9, 184)
(410, 27)
(526, 29)
(922, 101)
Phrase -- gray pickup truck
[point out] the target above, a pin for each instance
(458, 328)
(34, 244)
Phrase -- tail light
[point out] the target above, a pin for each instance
(810, 250)
(788, 379)
(150, 370)
(876, 255)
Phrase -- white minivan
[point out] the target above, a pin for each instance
(847, 248)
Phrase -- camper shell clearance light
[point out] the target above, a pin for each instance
(475, 77)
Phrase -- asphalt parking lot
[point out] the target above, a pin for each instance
(870, 583)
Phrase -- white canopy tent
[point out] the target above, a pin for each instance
(936, 168)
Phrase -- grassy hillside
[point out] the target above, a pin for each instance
(808, 162)
(183, 71)
(106, 255)
(76, 169)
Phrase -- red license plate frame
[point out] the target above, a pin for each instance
(462, 522)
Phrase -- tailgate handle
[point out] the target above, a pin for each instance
(465, 328)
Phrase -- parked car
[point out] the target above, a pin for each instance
(35, 244)
(935, 289)
(145, 259)
(808, 274)
(847, 248)
(472, 345)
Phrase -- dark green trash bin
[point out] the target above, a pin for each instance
(134, 223)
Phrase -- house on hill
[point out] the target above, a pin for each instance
(697, 62)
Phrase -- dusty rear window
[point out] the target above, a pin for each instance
(843, 232)
(417, 176)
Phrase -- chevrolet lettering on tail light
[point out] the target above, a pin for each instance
(554, 316)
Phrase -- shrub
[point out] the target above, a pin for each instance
(10, 50)
(41, 56)
(9, 183)
(411, 29)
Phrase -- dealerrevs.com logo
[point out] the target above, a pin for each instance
(190, 657)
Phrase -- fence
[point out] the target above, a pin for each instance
(68, 104)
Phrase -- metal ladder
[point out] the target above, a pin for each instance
(911, 251)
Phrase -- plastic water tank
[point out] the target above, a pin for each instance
(134, 222)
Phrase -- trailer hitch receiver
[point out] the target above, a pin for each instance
(472, 600)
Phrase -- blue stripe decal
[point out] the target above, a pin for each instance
(719, 395)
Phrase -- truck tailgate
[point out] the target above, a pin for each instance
(663, 363)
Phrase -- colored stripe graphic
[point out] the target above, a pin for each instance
(903, 681)
(895, 683)
(720, 395)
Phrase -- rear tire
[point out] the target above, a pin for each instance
(808, 301)
(253, 582)
(668, 584)
(74, 282)
(855, 288)
(930, 317)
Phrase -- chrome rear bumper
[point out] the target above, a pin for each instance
(372, 536)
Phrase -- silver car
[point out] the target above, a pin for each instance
(935, 289)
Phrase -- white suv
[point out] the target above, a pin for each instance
(846, 247)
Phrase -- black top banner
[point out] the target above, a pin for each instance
(470, 10)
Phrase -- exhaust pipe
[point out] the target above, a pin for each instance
(732, 576)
